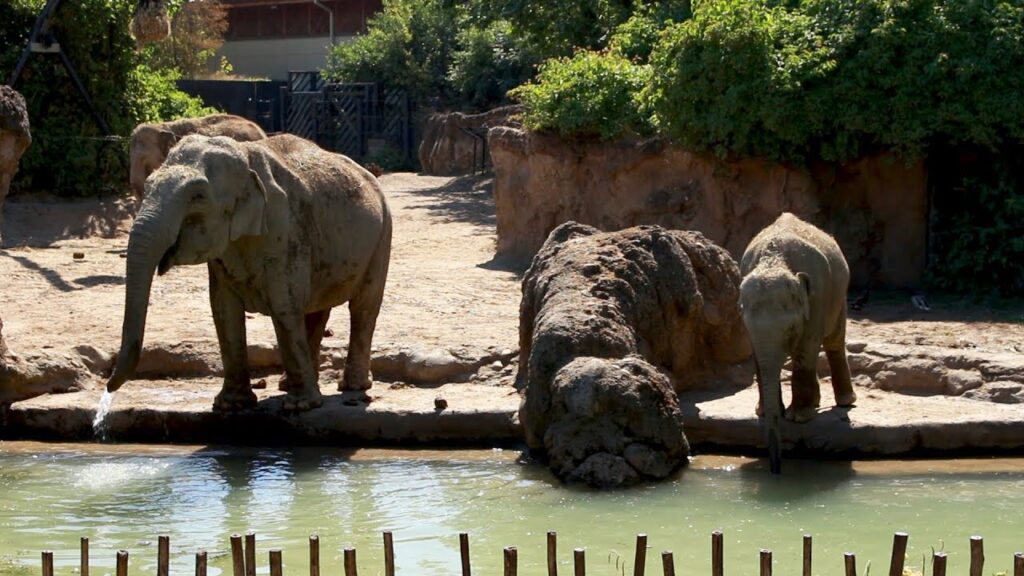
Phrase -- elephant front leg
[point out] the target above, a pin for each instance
(303, 389)
(316, 323)
(229, 319)
(805, 388)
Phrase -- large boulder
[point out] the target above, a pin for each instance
(610, 326)
(14, 140)
(875, 207)
(28, 376)
(455, 143)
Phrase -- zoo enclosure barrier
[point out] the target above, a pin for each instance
(243, 558)
(362, 120)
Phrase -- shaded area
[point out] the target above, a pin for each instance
(467, 199)
(52, 276)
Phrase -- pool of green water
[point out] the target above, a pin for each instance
(123, 498)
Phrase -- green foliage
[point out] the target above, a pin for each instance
(592, 94)
(160, 99)
(69, 154)
(489, 62)
(835, 79)
(980, 230)
(557, 28)
(636, 37)
(409, 44)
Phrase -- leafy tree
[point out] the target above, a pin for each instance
(197, 32)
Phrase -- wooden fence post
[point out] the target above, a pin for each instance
(47, 562)
(201, 563)
(717, 556)
(83, 561)
(977, 555)
(899, 554)
(939, 564)
(766, 562)
(552, 554)
(511, 561)
(350, 562)
(807, 554)
(122, 563)
(1018, 564)
(389, 554)
(579, 561)
(163, 556)
(668, 565)
(237, 556)
(276, 565)
(250, 554)
(464, 553)
(314, 555)
(640, 558)
(851, 563)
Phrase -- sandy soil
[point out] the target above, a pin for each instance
(445, 289)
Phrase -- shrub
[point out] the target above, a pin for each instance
(407, 45)
(592, 94)
(636, 37)
(557, 28)
(489, 62)
(69, 153)
(835, 79)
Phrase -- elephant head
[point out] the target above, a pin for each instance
(149, 147)
(203, 198)
(775, 309)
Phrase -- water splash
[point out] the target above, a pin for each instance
(99, 423)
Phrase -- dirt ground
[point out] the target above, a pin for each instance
(444, 289)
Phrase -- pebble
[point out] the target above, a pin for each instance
(440, 403)
(260, 384)
(78, 255)
(496, 365)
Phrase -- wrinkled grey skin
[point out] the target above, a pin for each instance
(287, 230)
(150, 143)
(15, 138)
(793, 294)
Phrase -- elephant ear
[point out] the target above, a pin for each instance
(805, 283)
(249, 218)
(167, 140)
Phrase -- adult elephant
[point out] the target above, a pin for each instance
(287, 230)
(793, 294)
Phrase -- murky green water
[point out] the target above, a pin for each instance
(50, 496)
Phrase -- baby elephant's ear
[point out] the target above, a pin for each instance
(167, 140)
(248, 217)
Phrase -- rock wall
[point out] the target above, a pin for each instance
(449, 147)
(14, 140)
(875, 207)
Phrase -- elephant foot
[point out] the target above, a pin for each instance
(354, 380)
(304, 400)
(805, 414)
(234, 400)
(848, 399)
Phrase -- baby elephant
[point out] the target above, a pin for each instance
(794, 303)
(150, 143)
(287, 230)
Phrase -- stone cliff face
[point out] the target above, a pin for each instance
(455, 143)
(875, 207)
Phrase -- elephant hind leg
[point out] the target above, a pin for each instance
(304, 391)
(316, 323)
(835, 350)
(363, 311)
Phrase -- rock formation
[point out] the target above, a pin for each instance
(23, 377)
(610, 326)
(876, 207)
(455, 143)
(14, 140)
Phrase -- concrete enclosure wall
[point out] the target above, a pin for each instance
(876, 207)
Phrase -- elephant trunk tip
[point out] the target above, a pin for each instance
(127, 361)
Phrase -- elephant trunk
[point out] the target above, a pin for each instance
(771, 406)
(153, 234)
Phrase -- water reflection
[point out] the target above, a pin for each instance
(48, 500)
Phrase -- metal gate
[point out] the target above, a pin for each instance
(363, 121)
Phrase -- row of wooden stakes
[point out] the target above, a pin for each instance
(243, 556)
